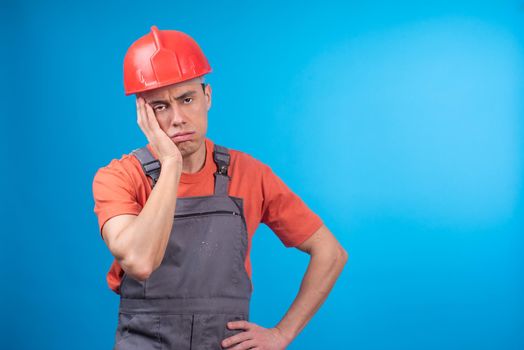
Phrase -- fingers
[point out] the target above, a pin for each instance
(141, 120)
(239, 324)
(151, 119)
(248, 344)
(236, 339)
(146, 119)
(142, 117)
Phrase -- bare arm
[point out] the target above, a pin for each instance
(139, 242)
(327, 261)
(328, 258)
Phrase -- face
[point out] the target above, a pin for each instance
(182, 107)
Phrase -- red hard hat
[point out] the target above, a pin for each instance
(161, 58)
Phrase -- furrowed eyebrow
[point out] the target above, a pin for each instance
(184, 95)
(158, 102)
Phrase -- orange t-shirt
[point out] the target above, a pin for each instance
(121, 187)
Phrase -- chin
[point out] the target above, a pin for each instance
(189, 147)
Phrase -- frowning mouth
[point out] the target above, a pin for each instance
(182, 136)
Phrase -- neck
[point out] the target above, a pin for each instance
(195, 161)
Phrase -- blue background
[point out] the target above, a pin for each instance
(399, 123)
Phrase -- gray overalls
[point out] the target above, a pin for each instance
(201, 283)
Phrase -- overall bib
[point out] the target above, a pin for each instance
(201, 283)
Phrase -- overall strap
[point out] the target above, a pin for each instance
(150, 165)
(221, 158)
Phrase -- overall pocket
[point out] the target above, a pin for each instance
(137, 331)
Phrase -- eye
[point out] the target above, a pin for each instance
(159, 108)
(188, 98)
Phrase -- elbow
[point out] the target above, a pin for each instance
(134, 264)
(335, 256)
(137, 269)
(141, 274)
(344, 256)
(338, 257)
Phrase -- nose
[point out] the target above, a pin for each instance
(177, 115)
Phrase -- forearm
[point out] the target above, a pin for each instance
(320, 277)
(145, 239)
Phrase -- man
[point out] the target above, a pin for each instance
(179, 214)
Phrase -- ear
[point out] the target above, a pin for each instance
(208, 96)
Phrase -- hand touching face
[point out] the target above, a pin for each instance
(181, 112)
(163, 146)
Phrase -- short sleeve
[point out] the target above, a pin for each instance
(285, 213)
(113, 193)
